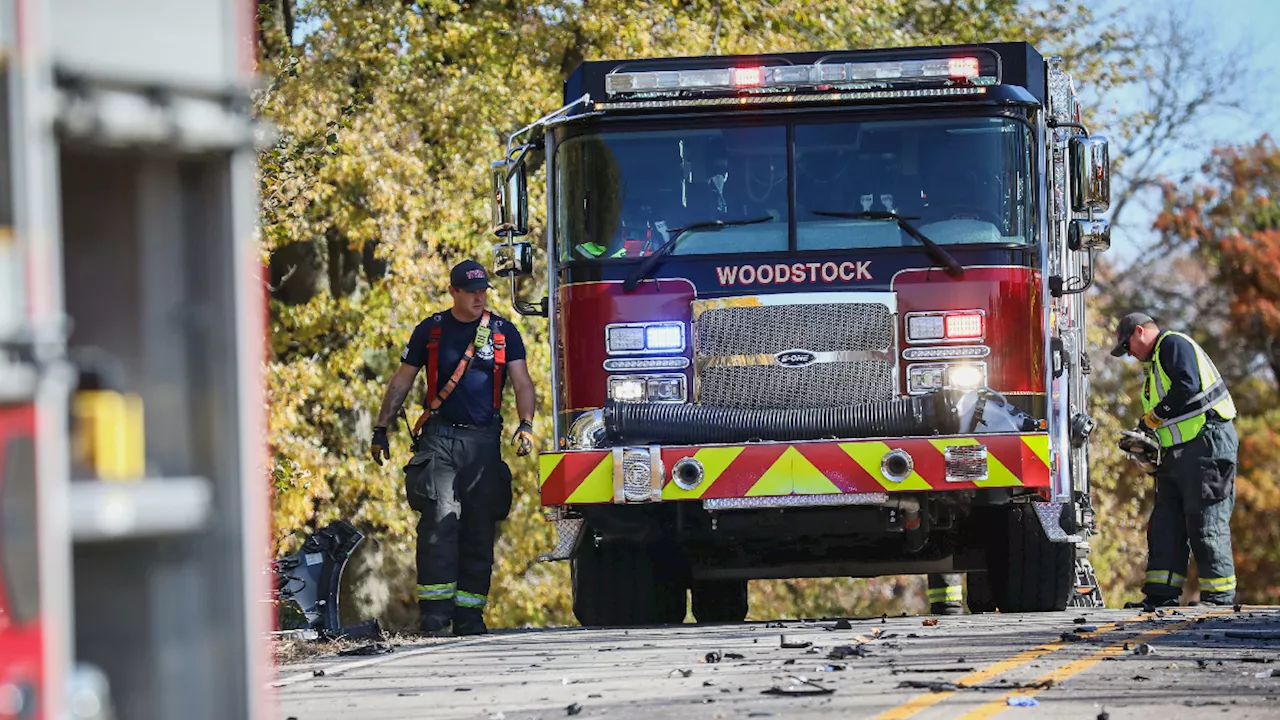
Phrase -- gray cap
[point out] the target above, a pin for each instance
(1125, 329)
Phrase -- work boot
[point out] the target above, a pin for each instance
(1212, 602)
(434, 626)
(469, 621)
(946, 609)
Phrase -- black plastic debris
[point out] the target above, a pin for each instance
(573, 709)
(1236, 607)
(1104, 715)
(1070, 637)
(708, 683)
(306, 582)
(368, 649)
(713, 656)
(774, 624)
(734, 656)
(1080, 620)
(317, 673)
(367, 630)
(798, 687)
(1254, 634)
(789, 644)
(842, 625)
(842, 652)
(1141, 678)
(462, 689)
(931, 685)
(1144, 649)
(680, 672)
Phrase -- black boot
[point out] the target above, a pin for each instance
(946, 608)
(434, 626)
(1150, 603)
(469, 621)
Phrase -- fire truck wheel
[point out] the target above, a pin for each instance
(1027, 573)
(719, 601)
(619, 583)
(977, 593)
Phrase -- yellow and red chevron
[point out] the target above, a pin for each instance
(818, 467)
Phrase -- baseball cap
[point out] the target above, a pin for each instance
(469, 276)
(1127, 325)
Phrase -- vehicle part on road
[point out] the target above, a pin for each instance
(798, 686)
(1017, 701)
(629, 422)
(719, 601)
(311, 577)
(788, 644)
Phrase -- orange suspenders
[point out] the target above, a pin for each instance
(433, 367)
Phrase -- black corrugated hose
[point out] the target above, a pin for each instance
(638, 423)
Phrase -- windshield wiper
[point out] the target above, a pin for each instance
(647, 265)
(940, 256)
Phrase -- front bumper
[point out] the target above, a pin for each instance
(812, 468)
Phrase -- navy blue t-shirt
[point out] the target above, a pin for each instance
(472, 400)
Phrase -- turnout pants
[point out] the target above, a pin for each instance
(461, 488)
(946, 593)
(1195, 494)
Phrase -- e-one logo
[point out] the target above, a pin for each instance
(795, 358)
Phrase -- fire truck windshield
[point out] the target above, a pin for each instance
(962, 180)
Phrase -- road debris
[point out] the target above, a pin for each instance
(798, 686)
(1268, 673)
(734, 656)
(1254, 634)
(712, 657)
(842, 625)
(573, 709)
(1070, 637)
(931, 622)
(368, 649)
(680, 672)
(1080, 620)
(774, 624)
(1002, 686)
(843, 652)
(1087, 628)
(1144, 649)
(1020, 701)
(789, 644)
(962, 668)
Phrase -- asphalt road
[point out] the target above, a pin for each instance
(976, 663)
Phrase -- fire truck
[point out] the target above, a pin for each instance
(814, 315)
(133, 496)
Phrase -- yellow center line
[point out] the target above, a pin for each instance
(928, 700)
(995, 707)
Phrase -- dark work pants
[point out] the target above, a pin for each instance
(946, 593)
(461, 488)
(1195, 494)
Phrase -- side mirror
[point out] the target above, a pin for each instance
(513, 259)
(510, 198)
(1090, 174)
(1089, 235)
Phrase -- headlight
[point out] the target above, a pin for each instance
(926, 377)
(647, 388)
(627, 389)
(636, 338)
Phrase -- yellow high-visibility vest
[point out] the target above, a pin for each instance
(1213, 395)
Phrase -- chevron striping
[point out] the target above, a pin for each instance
(548, 464)
(597, 485)
(869, 454)
(715, 460)
(1039, 444)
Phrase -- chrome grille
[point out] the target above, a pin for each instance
(850, 338)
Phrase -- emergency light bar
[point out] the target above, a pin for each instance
(818, 76)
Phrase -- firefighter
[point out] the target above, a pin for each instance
(1186, 405)
(457, 480)
(946, 594)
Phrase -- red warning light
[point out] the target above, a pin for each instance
(747, 77)
(965, 67)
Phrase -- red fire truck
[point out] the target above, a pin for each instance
(133, 504)
(814, 314)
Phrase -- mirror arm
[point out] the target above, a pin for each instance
(1088, 278)
(1055, 124)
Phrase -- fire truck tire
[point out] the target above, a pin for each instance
(977, 593)
(719, 601)
(619, 583)
(1026, 572)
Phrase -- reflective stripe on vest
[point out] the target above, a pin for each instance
(1190, 420)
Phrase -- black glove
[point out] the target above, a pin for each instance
(379, 446)
(523, 438)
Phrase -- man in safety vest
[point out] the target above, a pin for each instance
(1186, 405)
(457, 480)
